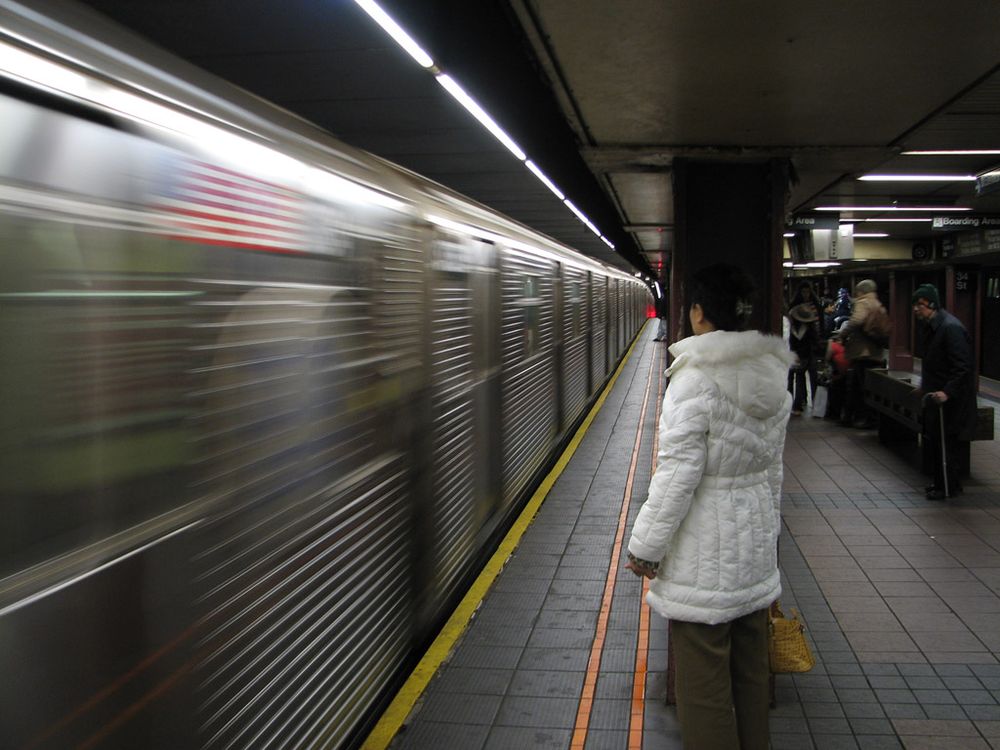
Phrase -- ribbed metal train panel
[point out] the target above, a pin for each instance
(294, 642)
(598, 330)
(575, 365)
(614, 324)
(288, 448)
(528, 391)
(400, 313)
(454, 438)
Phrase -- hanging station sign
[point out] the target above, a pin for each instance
(988, 182)
(967, 221)
(803, 222)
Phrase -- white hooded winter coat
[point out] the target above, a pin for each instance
(712, 516)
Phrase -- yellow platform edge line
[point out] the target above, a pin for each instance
(391, 721)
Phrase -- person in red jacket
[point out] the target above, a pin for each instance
(836, 356)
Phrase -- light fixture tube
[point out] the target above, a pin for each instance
(394, 30)
(659, 294)
(545, 180)
(479, 113)
(918, 178)
(891, 208)
(580, 215)
(450, 85)
(870, 235)
(958, 152)
(879, 220)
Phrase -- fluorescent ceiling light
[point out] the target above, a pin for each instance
(958, 152)
(891, 208)
(545, 180)
(452, 87)
(479, 113)
(788, 234)
(918, 178)
(394, 30)
(659, 294)
(870, 235)
(788, 264)
(898, 221)
(582, 217)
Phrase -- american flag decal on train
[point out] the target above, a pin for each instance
(212, 205)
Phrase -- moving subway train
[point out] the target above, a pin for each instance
(265, 401)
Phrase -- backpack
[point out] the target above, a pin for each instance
(877, 326)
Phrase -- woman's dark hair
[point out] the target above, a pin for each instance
(800, 294)
(725, 293)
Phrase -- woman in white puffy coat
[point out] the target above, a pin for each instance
(707, 533)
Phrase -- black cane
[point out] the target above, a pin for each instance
(944, 452)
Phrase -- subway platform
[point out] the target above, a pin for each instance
(901, 597)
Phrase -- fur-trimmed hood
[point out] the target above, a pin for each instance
(749, 367)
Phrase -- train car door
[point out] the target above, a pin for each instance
(576, 347)
(463, 450)
(528, 400)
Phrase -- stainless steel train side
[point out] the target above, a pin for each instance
(262, 410)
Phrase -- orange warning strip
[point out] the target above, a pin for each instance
(638, 713)
(594, 664)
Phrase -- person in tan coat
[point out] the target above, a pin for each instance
(863, 352)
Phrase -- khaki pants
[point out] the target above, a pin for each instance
(722, 683)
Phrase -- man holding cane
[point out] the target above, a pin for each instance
(948, 384)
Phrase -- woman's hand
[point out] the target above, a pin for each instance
(642, 568)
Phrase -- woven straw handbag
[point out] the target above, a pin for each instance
(786, 643)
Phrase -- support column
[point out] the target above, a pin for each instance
(901, 311)
(962, 299)
(732, 213)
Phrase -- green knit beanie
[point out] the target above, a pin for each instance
(928, 292)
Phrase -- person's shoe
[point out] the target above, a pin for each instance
(796, 412)
(953, 490)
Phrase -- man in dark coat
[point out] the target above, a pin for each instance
(947, 378)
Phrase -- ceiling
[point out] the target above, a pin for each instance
(603, 96)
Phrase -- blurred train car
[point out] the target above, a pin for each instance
(265, 401)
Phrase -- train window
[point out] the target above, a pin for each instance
(530, 303)
(92, 407)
